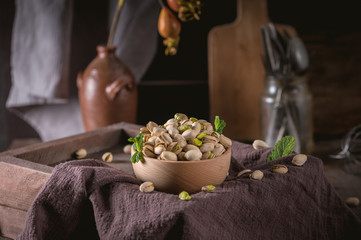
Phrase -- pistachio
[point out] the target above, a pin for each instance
(158, 149)
(148, 150)
(193, 155)
(207, 155)
(166, 138)
(107, 157)
(215, 134)
(158, 130)
(146, 187)
(353, 201)
(208, 188)
(172, 131)
(174, 147)
(202, 121)
(210, 139)
(208, 127)
(206, 147)
(243, 172)
(127, 148)
(180, 117)
(145, 130)
(218, 150)
(184, 127)
(81, 153)
(180, 140)
(167, 155)
(225, 141)
(150, 125)
(193, 119)
(181, 156)
(201, 135)
(184, 196)
(196, 127)
(189, 147)
(299, 159)
(151, 140)
(257, 175)
(172, 122)
(279, 168)
(197, 142)
(259, 144)
(189, 134)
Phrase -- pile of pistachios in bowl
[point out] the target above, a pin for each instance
(184, 139)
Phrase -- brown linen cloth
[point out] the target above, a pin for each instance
(87, 199)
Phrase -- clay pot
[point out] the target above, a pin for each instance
(107, 91)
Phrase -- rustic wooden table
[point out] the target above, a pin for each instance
(23, 171)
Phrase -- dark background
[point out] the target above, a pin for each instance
(331, 31)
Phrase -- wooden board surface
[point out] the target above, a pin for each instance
(236, 71)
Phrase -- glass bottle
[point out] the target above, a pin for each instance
(286, 109)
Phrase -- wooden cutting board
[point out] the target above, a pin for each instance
(236, 71)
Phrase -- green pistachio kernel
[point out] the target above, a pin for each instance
(201, 135)
(208, 188)
(211, 155)
(184, 127)
(193, 119)
(180, 117)
(184, 196)
(197, 142)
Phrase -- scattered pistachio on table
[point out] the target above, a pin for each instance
(127, 148)
(208, 188)
(243, 172)
(257, 175)
(146, 187)
(107, 157)
(81, 153)
(299, 159)
(184, 139)
(353, 201)
(184, 196)
(279, 168)
(259, 144)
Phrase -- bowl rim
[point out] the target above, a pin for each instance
(186, 162)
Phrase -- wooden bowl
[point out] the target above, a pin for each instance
(176, 176)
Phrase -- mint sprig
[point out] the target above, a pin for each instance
(219, 125)
(282, 148)
(138, 148)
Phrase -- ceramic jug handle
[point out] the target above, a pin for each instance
(113, 88)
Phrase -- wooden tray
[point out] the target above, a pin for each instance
(24, 171)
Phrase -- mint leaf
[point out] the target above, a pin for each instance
(219, 125)
(131, 139)
(138, 147)
(133, 158)
(282, 148)
(139, 156)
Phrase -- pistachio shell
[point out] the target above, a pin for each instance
(172, 131)
(353, 201)
(206, 147)
(166, 138)
(196, 127)
(150, 125)
(166, 155)
(299, 159)
(243, 172)
(207, 155)
(180, 117)
(225, 141)
(146, 187)
(172, 122)
(189, 134)
(189, 147)
(210, 139)
(218, 150)
(259, 144)
(81, 153)
(184, 127)
(127, 148)
(181, 156)
(180, 140)
(145, 130)
(159, 149)
(279, 168)
(107, 157)
(257, 175)
(151, 140)
(158, 130)
(193, 155)
(174, 147)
